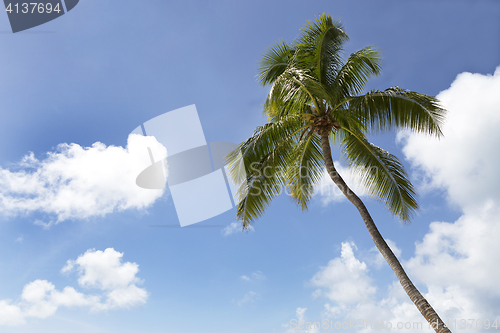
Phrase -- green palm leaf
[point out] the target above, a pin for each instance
(291, 91)
(354, 74)
(305, 169)
(382, 174)
(274, 62)
(266, 156)
(396, 107)
(320, 47)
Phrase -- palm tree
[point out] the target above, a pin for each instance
(316, 98)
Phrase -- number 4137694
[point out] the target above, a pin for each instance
(33, 7)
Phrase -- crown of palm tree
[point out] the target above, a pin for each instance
(313, 93)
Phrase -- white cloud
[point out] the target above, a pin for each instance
(330, 193)
(76, 182)
(104, 270)
(345, 279)
(101, 270)
(300, 313)
(70, 297)
(300, 324)
(235, 227)
(457, 262)
(37, 295)
(250, 297)
(126, 297)
(346, 282)
(257, 275)
(465, 161)
(10, 315)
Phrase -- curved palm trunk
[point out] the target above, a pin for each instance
(420, 302)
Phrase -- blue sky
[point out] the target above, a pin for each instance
(96, 73)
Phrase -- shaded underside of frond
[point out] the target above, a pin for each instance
(266, 155)
(382, 174)
(305, 169)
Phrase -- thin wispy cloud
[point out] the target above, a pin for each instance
(250, 297)
(255, 276)
(235, 227)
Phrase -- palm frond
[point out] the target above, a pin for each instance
(305, 169)
(347, 120)
(291, 91)
(320, 46)
(266, 156)
(274, 62)
(382, 174)
(352, 77)
(396, 107)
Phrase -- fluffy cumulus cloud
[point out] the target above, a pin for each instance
(76, 182)
(366, 313)
(455, 264)
(104, 270)
(344, 280)
(457, 260)
(465, 161)
(347, 284)
(10, 314)
(116, 284)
